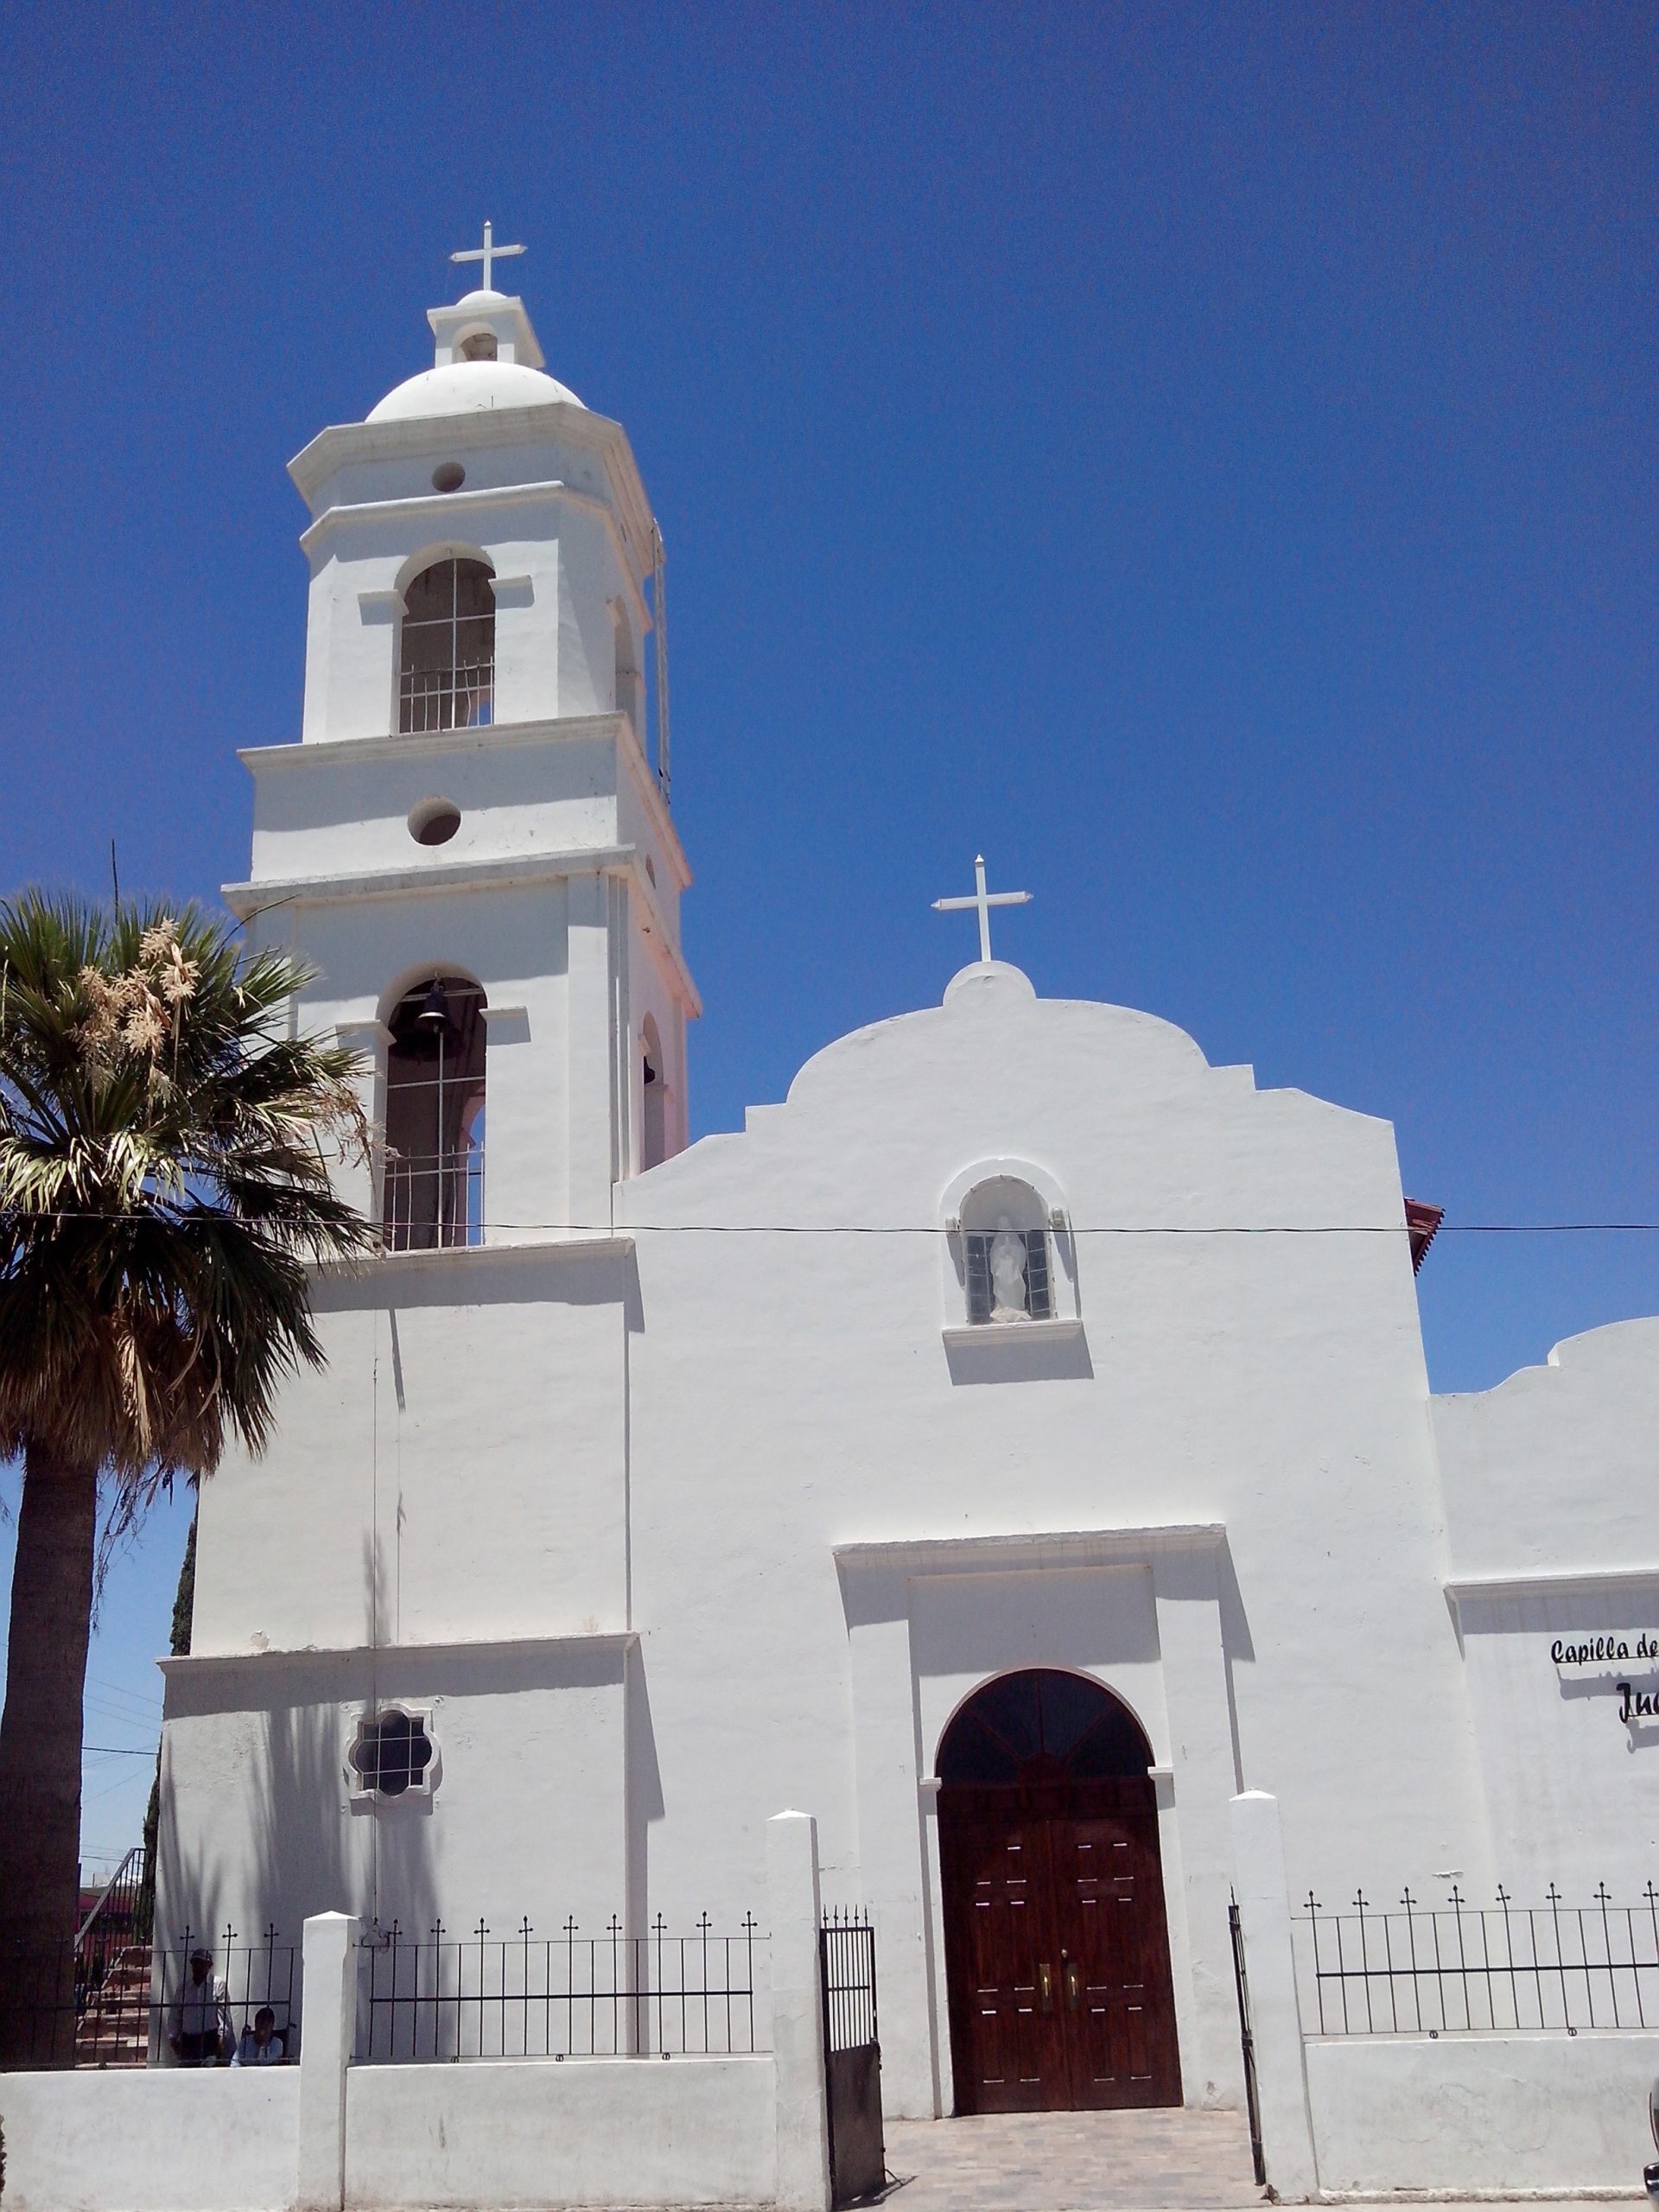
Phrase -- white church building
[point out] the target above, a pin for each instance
(647, 1491)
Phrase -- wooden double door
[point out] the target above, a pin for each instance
(1057, 1951)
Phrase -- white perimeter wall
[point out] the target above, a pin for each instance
(603, 2132)
(1488, 2112)
(166, 2140)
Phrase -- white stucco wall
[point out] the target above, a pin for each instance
(1551, 2113)
(617, 2132)
(160, 2140)
(714, 1441)
(528, 1816)
(1548, 1480)
(801, 1392)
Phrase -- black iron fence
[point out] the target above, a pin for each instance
(847, 1951)
(565, 1996)
(852, 2055)
(124, 2004)
(1461, 1968)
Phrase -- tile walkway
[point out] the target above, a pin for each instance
(1164, 2161)
(1167, 2161)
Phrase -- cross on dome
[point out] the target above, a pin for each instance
(487, 253)
(983, 901)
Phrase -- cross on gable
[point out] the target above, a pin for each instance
(983, 901)
(488, 252)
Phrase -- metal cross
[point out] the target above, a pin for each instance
(487, 253)
(984, 900)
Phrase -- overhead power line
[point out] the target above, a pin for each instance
(937, 1229)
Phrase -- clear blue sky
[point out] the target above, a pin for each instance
(1203, 456)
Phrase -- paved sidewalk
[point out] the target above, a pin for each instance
(1165, 2161)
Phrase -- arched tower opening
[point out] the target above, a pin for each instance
(433, 1191)
(446, 666)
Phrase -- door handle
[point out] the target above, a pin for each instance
(1045, 1986)
(1074, 1983)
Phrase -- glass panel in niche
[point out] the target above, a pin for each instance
(1007, 1275)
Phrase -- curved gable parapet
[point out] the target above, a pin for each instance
(1002, 999)
(1619, 1352)
(1550, 1471)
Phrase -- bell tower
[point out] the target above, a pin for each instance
(472, 845)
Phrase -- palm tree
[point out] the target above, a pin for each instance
(165, 1144)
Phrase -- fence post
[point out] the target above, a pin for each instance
(1275, 2014)
(802, 2107)
(328, 2029)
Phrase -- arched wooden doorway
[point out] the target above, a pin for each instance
(1056, 1953)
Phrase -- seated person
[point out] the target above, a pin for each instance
(261, 2045)
(200, 2032)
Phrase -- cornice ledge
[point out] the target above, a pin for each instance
(341, 442)
(1546, 1582)
(491, 737)
(498, 737)
(602, 1245)
(481, 874)
(1049, 1547)
(198, 1662)
(516, 870)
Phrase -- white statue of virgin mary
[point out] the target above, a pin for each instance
(1009, 1300)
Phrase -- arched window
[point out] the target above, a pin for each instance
(434, 1189)
(446, 671)
(653, 1132)
(1006, 1259)
(629, 692)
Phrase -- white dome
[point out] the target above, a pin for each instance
(470, 388)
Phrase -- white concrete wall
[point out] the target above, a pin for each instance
(161, 2140)
(1547, 1481)
(528, 1816)
(507, 2134)
(724, 1419)
(550, 787)
(793, 1396)
(457, 1475)
(601, 2131)
(1554, 2114)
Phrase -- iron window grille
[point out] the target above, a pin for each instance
(392, 1754)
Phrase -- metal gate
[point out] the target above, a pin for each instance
(1247, 2041)
(852, 2056)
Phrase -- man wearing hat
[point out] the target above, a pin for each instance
(200, 2032)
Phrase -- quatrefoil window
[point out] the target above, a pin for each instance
(393, 1753)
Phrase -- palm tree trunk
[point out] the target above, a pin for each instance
(40, 1758)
